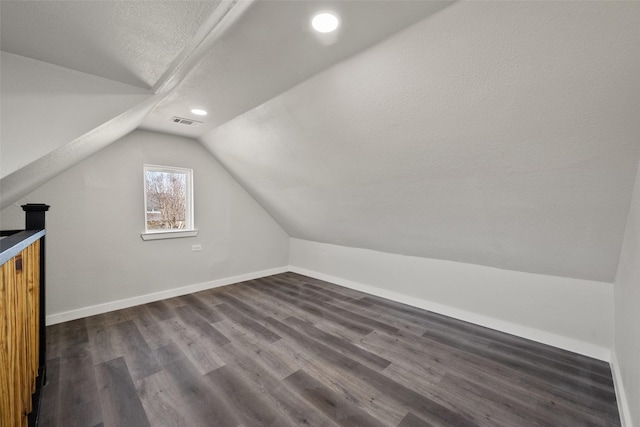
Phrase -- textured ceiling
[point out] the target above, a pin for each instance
(72, 85)
(271, 49)
(502, 134)
(132, 42)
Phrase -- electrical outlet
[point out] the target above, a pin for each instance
(196, 248)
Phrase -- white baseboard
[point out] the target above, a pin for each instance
(157, 296)
(565, 343)
(554, 340)
(621, 396)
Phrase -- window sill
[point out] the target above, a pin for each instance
(158, 235)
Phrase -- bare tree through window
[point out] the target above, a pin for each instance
(167, 197)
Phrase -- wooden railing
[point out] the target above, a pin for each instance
(22, 343)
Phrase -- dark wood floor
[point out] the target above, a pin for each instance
(288, 350)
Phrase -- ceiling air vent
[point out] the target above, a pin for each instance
(187, 122)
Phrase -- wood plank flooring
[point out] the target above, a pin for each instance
(288, 350)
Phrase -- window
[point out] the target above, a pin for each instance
(168, 202)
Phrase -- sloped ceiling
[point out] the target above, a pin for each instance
(131, 42)
(497, 133)
(271, 49)
(113, 65)
(77, 76)
(45, 106)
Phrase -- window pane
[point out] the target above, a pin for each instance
(166, 200)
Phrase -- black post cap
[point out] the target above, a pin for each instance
(35, 207)
(35, 215)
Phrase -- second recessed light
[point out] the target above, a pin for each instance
(199, 112)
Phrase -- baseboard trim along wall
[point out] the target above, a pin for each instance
(555, 340)
(157, 296)
(567, 313)
(565, 343)
(621, 396)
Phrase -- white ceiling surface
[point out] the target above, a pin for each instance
(45, 106)
(54, 116)
(83, 70)
(273, 48)
(131, 42)
(495, 133)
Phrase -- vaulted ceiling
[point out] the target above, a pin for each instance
(504, 134)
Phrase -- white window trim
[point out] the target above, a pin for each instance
(170, 234)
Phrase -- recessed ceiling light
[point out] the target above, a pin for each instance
(199, 112)
(325, 22)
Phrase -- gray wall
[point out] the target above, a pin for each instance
(627, 313)
(95, 253)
